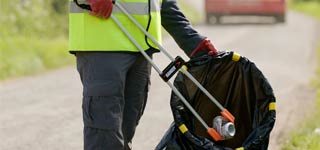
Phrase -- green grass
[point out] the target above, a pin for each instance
(304, 137)
(23, 55)
(312, 8)
(33, 37)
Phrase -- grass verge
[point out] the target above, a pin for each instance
(23, 55)
(307, 135)
(309, 7)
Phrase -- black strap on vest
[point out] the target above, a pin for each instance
(83, 6)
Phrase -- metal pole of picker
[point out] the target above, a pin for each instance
(224, 112)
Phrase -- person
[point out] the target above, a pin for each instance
(115, 76)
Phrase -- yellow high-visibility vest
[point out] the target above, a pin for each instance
(90, 33)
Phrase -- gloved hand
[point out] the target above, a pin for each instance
(205, 47)
(101, 8)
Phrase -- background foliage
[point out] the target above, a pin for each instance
(33, 36)
(306, 0)
(46, 18)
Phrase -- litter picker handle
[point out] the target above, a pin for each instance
(172, 68)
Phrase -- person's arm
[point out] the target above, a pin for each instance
(174, 21)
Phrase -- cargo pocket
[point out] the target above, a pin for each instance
(101, 112)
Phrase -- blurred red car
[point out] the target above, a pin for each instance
(215, 9)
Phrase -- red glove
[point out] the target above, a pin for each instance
(205, 45)
(101, 8)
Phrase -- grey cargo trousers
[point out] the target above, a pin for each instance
(115, 87)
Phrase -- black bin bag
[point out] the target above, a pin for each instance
(240, 87)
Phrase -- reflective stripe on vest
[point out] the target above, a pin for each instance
(89, 33)
(132, 8)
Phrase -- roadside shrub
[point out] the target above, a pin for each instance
(33, 36)
(299, 1)
(33, 17)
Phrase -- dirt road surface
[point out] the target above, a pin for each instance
(44, 111)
